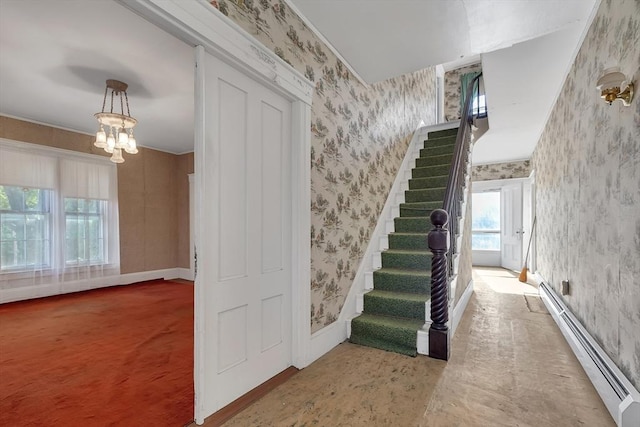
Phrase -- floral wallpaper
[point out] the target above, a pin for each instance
(521, 169)
(359, 136)
(452, 90)
(587, 165)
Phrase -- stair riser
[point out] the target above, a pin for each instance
(424, 195)
(442, 133)
(394, 307)
(430, 182)
(401, 283)
(421, 262)
(390, 339)
(436, 151)
(412, 225)
(444, 159)
(413, 242)
(440, 142)
(426, 172)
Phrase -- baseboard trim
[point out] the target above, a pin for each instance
(185, 273)
(61, 288)
(325, 339)
(461, 307)
(616, 391)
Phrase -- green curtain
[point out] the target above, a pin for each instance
(465, 79)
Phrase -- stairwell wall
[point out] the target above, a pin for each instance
(587, 165)
(359, 135)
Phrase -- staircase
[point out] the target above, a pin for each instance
(397, 307)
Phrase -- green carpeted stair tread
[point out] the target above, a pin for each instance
(428, 171)
(442, 133)
(436, 151)
(419, 209)
(442, 159)
(428, 182)
(425, 195)
(409, 259)
(396, 304)
(386, 333)
(397, 280)
(412, 224)
(408, 241)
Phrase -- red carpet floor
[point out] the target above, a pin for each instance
(119, 356)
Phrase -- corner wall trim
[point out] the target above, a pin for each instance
(326, 339)
(616, 391)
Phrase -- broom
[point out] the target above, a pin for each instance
(523, 273)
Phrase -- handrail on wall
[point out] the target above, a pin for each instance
(442, 242)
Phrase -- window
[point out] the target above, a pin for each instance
(25, 221)
(58, 216)
(485, 222)
(479, 107)
(84, 231)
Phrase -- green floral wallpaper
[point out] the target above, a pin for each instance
(587, 165)
(359, 137)
(508, 170)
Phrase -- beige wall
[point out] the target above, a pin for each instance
(587, 166)
(153, 196)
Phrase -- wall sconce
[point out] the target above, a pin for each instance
(609, 86)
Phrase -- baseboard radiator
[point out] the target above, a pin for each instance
(618, 394)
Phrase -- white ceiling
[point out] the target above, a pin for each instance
(56, 55)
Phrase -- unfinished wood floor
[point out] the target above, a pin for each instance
(510, 366)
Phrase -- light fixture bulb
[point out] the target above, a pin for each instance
(117, 156)
(111, 142)
(101, 138)
(123, 138)
(132, 147)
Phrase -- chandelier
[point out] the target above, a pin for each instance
(119, 125)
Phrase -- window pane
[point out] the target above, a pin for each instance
(84, 231)
(485, 211)
(12, 254)
(13, 226)
(4, 199)
(485, 241)
(36, 227)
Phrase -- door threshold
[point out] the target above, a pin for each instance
(232, 409)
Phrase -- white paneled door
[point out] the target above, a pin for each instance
(244, 259)
(512, 230)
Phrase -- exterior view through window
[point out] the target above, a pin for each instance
(485, 222)
(25, 228)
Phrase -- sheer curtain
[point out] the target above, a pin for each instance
(58, 221)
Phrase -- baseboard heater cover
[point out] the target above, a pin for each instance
(616, 391)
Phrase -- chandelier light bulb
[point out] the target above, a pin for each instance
(101, 138)
(117, 156)
(132, 147)
(123, 138)
(111, 142)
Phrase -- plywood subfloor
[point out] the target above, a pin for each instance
(510, 366)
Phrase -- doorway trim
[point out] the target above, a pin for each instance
(204, 27)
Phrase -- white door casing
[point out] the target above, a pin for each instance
(512, 230)
(203, 26)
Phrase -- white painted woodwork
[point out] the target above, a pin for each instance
(511, 225)
(246, 235)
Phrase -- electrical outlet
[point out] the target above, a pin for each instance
(565, 287)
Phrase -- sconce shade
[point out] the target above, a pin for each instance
(611, 84)
(612, 77)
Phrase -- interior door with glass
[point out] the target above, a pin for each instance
(512, 231)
